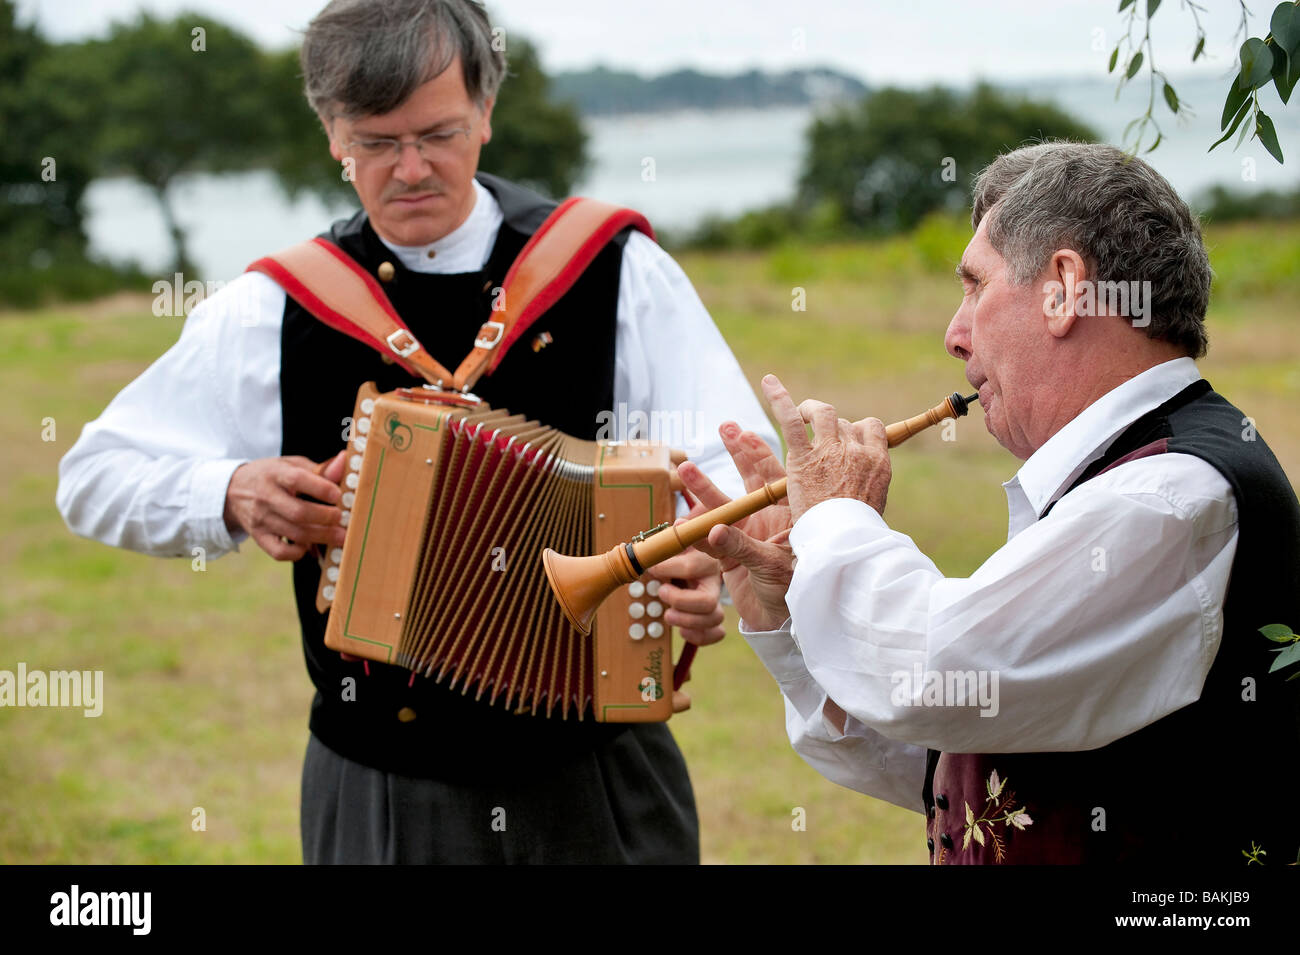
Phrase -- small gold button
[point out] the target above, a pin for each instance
(431, 253)
(406, 714)
(386, 271)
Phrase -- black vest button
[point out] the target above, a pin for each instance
(930, 813)
(929, 844)
(941, 801)
(945, 840)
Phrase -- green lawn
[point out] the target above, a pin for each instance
(205, 691)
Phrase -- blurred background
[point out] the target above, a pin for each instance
(818, 153)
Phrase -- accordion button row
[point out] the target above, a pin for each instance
(638, 631)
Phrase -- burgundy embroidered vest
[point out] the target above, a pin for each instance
(1209, 782)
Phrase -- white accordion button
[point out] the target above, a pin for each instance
(347, 516)
(332, 574)
(656, 629)
(636, 588)
(367, 406)
(636, 611)
(355, 462)
(655, 609)
(363, 425)
(352, 480)
(636, 631)
(336, 555)
(359, 442)
(349, 498)
(328, 592)
(652, 588)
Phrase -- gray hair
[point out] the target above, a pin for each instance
(368, 56)
(1118, 213)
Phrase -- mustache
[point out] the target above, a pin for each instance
(399, 190)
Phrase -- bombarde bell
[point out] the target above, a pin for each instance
(581, 584)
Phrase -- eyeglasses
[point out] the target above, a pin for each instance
(386, 152)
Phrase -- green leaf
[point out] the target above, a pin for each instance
(1200, 48)
(1124, 5)
(1241, 114)
(1159, 137)
(1114, 58)
(1171, 98)
(1286, 657)
(1134, 65)
(1284, 76)
(1268, 136)
(1236, 96)
(1152, 7)
(1278, 633)
(1285, 25)
(1256, 64)
(1293, 676)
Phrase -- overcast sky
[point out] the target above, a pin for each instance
(894, 41)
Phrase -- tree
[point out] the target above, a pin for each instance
(175, 96)
(896, 155)
(45, 166)
(1274, 59)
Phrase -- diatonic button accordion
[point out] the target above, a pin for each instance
(448, 505)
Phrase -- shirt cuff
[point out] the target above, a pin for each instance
(831, 517)
(207, 506)
(778, 652)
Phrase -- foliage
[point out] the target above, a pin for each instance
(900, 154)
(174, 96)
(45, 168)
(1274, 59)
(882, 165)
(535, 140)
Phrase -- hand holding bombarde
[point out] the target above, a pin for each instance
(581, 584)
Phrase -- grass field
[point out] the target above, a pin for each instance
(205, 691)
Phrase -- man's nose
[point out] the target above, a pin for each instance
(957, 338)
(411, 165)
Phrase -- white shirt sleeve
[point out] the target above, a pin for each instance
(858, 758)
(1086, 626)
(150, 474)
(672, 364)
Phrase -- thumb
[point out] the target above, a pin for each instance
(730, 544)
(333, 470)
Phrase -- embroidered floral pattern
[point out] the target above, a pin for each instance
(997, 812)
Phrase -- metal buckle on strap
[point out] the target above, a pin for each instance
(402, 350)
(483, 342)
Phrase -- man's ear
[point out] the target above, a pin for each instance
(1069, 292)
(487, 122)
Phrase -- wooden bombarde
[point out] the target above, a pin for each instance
(581, 584)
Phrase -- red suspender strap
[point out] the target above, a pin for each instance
(329, 283)
(326, 281)
(556, 255)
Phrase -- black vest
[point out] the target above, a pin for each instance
(565, 384)
(1208, 781)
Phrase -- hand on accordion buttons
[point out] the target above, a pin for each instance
(756, 558)
(691, 592)
(265, 498)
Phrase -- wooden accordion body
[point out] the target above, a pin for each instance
(448, 505)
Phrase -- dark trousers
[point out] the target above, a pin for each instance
(629, 801)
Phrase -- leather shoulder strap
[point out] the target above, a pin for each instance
(547, 266)
(329, 283)
(333, 287)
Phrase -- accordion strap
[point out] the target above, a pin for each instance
(333, 287)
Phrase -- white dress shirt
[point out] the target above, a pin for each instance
(1094, 622)
(150, 473)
